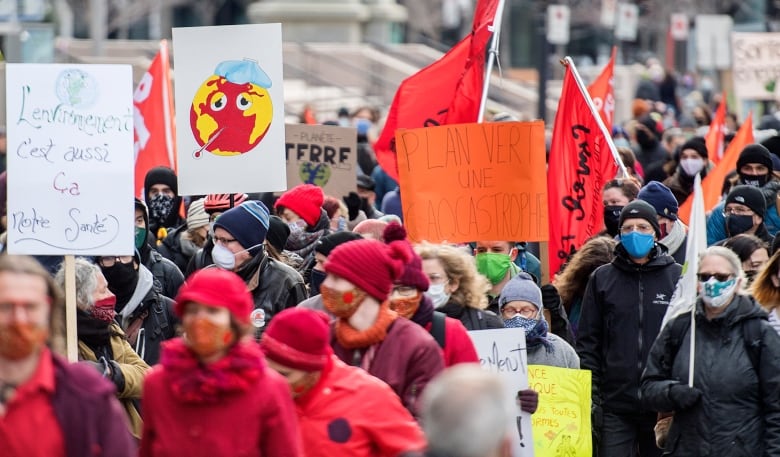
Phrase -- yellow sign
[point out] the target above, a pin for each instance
(561, 424)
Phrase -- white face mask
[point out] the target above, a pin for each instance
(716, 293)
(224, 258)
(691, 166)
(437, 295)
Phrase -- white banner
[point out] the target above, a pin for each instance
(756, 65)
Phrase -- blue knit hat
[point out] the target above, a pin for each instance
(247, 222)
(521, 287)
(660, 198)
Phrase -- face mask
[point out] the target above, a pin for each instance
(754, 180)
(691, 166)
(315, 281)
(363, 126)
(305, 384)
(518, 321)
(718, 293)
(121, 278)
(406, 306)
(612, 219)
(437, 295)
(341, 304)
(493, 265)
(637, 244)
(19, 340)
(621, 143)
(663, 230)
(205, 338)
(297, 226)
(140, 237)
(104, 309)
(225, 258)
(736, 224)
(159, 207)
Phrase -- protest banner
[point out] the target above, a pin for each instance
(70, 159)
(474, 182)
(323, 155)
(229, 109)
(503, 351)
(561, 423)
(756, 65)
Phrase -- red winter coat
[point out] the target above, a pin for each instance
(257, 422)
(458, 347)
(350, 413)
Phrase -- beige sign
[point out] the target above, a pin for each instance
(323, 155)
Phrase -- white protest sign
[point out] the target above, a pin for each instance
(323, 155)
(608, 12)
(678, 26)
(70, 159)
(713, 41)
(229, 109)
(503, 351)
(627, 22)
(756, 65)
(558, 17)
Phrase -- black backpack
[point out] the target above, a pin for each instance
(437, 328)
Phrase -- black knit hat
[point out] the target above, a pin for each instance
(755, 153)
(642, 210)
(697, 144)
(161, 175)
(329, 242)
(278, 232)
(750, 196)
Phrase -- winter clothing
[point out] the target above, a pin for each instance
(472, 318)
(178, 247)
(716, 221)
(196, 215)
(163, 175)
(217, 288)
(370, 265)
(247, 223)
(738, 412)
(642, 210)
(299, 339)
(305, 200)
(303, 240)
(167, 276)
(755, 153)
(521, 288)
(660, 198)
(749, 196)
(562, 354)
(234, 406)
(278, 232)
(458, 347)
(328, 243)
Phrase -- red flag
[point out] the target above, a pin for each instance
(447, 91)
(712, 184)
(602, 91)
(154, 127)
(714, 139)
(579, 165)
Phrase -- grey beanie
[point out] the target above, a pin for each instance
(521, 287)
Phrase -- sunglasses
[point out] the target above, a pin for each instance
(704, 277)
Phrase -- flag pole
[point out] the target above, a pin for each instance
(567, 62)
(492, 56)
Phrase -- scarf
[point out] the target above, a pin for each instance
(303, 242)
(675, 238)
(93, 332)
(424, 314)
(350, 338)
(538, 335)
(193, 382)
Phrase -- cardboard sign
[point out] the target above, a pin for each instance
(756, 65)
(70, 159)
(474, 182)
(229, 109)
(323, 155)
(561, 424)
(503, 351)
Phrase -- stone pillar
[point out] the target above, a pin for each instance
(314, 20)
(384, 17)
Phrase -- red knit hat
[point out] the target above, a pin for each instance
(413, 275)
(218, 288)
(298, 338)
(370, 265)
(305, 200)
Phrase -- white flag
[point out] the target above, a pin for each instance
(685, 293)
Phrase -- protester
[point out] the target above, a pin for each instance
(766, 290)
(212, 394)
(732, 408)
(693, 160)
(161, 194)
(408, 299)
(648, 135)
(342, 410)
(145, 315)
(616, 194)
(455, 287)
(167, 276)
(752, 252)
(102, 342)
(624, 304)
(216, 204)
(49, 407)
(337, 213)
(366, 190)
(301, 208)
(371, 229)
(674, 233)
(360, 276)
(184, 241)
(496, 261)
(324, 247)
(276, 238)
(745, 209)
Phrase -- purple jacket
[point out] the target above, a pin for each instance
(92, 420)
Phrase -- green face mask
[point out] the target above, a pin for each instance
(493, 265)
(140, 237)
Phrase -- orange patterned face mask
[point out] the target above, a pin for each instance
(406, 306)
(205, 338)
(19, 340)
(341, 304)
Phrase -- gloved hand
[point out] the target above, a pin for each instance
(367, 208)
(550, 297)
(353, 204)
(100, 367)
(528, 400)
(683, 396)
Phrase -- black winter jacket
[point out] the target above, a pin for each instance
(171, 248)
(158, 323)
(622, 310)
(167, 276)
(472, 318)
(739, 413)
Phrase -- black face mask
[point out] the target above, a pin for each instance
(645, 139)
(316, 278)
(738, 224)
(754, 180)
(122, 279)
(612, 219)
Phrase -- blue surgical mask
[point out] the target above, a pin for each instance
(718, 293)
(637, 244)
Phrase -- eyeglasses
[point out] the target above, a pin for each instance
(110, 261)
(528, 312)
(224, 241)
(405, 291)
(738, 212)
(642, 228)
(704, 277)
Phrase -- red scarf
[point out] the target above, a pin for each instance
(350, 338)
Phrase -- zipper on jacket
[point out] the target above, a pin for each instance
(640, 339)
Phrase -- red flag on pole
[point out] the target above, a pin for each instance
(714, 139)
(154, 126)
(602, 91)
(579, 165)
(446, 92)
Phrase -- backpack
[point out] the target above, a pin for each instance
(437, 328)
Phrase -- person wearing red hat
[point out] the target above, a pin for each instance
(367, 333)
(337, 404)
(410, 302)
(212, 394)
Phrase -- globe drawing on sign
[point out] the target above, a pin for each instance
(76, 88)
(317, 174)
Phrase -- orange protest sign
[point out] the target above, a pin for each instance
(474, 182)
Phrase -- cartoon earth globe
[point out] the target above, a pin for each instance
(232, 110)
